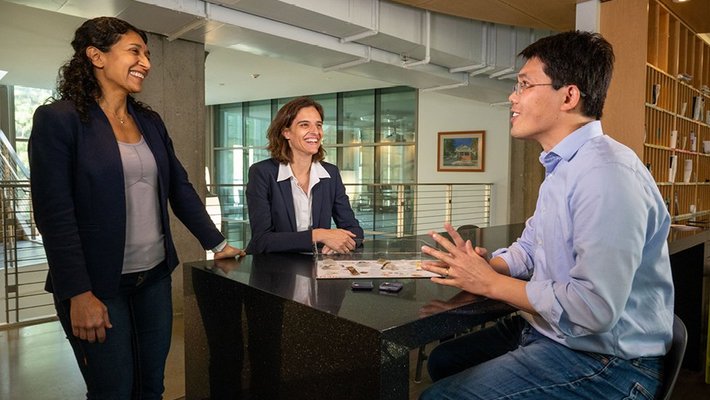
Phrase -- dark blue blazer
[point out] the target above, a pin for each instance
(272, 215)
(79, 200)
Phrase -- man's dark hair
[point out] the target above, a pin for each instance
(578, 58)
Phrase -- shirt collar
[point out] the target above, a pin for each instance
(317, 170)
(568, 147)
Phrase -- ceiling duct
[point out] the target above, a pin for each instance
(366, 38)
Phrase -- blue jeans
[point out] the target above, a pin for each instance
(130, 363)
(513, 361)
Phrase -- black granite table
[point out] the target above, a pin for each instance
(265, 328)
(687, 250)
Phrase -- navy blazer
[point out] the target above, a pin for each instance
(272, 215)
(78, 195)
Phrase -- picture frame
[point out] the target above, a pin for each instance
(461, 151)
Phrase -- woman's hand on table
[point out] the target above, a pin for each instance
(229, 252)
(335, 240)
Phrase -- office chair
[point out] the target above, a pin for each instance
(674, 358)
(466, 229)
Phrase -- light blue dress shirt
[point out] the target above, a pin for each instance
(595, 250)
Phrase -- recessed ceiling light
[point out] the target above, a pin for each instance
(2, 73)
(681, 1)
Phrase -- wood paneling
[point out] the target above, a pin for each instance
(624, 108)
(556, 15)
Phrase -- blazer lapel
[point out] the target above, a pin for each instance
(317, 203)
(287, 195)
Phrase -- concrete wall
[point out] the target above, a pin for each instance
(175, 88)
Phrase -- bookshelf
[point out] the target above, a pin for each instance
(677, 114)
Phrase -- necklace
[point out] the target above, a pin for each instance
(121, 120)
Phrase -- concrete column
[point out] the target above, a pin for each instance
(175, 88)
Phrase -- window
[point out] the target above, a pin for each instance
(26, 102)
(369, 134)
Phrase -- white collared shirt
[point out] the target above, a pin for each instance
(302, 199)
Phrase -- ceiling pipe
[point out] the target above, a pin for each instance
(467, 68)
(350, 64)
(198, 23)
(446, 87)
(502, 72)
(483, 70)
(510, 72)
(359, 36)
(187, 28)
(427, 45)
(489, 50)
(215, 13)
(484, 55)
(371, 32)
(511, 75)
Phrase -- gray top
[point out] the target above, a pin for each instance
(144, 235)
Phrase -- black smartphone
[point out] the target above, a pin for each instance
(392, 287)
(361, 285)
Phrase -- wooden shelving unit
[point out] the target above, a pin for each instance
(679, 65)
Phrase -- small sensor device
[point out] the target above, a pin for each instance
(392, 287)
(361, 285)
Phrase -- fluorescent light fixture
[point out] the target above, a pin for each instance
(2, 73)
(681, 1)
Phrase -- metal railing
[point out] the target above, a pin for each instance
(394, 210)
(24, 265)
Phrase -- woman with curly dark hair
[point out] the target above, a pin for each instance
(103, 170)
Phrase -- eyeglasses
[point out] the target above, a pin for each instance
(520, 87)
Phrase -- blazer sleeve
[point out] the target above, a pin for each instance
(51, 152)
(343, 213)
(270, 233)
(184, 200)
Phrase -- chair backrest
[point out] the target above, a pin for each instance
(467, 232)
(674, 358)
(466, 227)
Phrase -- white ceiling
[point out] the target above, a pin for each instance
(289, 44)
(35, 42)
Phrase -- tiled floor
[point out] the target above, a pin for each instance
(36, 363)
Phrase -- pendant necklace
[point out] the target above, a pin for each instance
(121, 120)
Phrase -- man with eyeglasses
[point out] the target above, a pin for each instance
(590, 273)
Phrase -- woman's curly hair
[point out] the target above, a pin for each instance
(76, 81)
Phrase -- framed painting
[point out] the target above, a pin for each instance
(461, 151)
